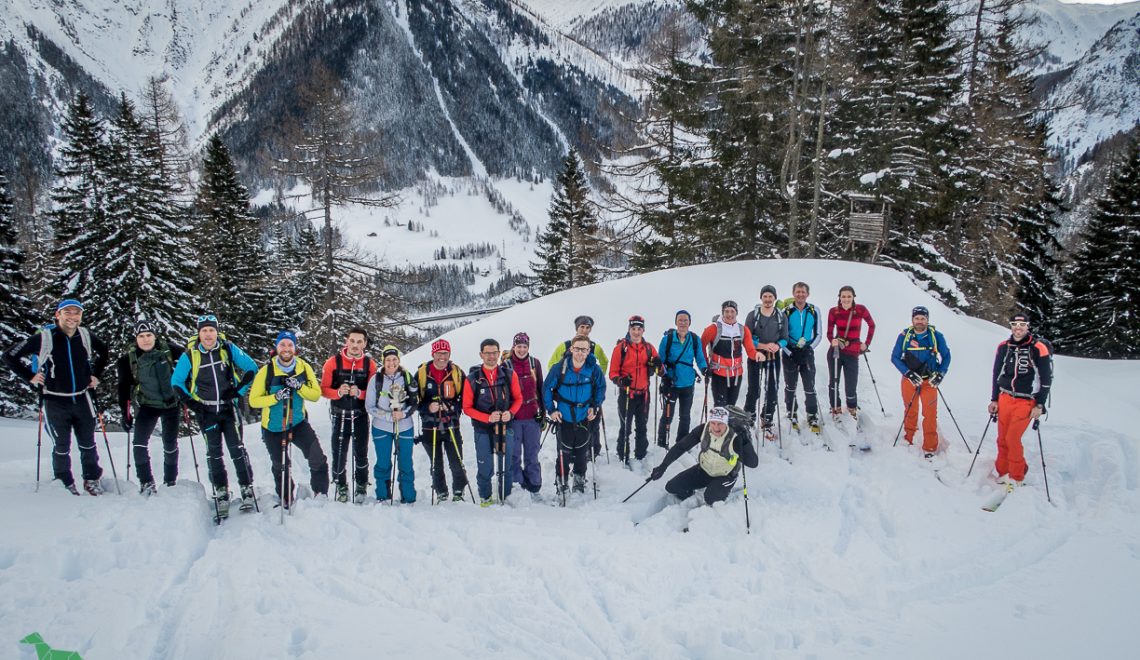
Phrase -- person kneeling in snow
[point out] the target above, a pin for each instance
(718, 464)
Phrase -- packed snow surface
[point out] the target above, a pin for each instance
(849, 556)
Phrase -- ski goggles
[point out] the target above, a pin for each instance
(207, 317)
(1019, 324)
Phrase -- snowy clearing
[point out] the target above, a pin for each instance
(849, 556)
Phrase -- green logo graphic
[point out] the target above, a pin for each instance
(45, 652)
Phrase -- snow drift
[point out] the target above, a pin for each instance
(849, 556)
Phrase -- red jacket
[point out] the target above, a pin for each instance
(635, 364)
(848, 324)
(351, 370)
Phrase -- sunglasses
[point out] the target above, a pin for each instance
(207, 317)
(580, 350)
(1019, 324)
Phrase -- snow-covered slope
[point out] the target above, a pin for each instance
(1070, 29)
(1100, 96)
(865, 556)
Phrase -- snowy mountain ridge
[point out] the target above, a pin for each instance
(1071, 29)
(849, 556)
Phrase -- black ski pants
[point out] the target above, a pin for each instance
(305, 439)
(573, 449)
(688, 481)
(145, 420)
(350, 426)
(763, 381)
(66, 415)
(849, 372)
(680, 403)
(453, 450)
(633, 407)
(216, 425)
(725, 389)
(800, 365)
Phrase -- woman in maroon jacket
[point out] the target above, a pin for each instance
(844, 331)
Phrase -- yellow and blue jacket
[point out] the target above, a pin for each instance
(269, 380)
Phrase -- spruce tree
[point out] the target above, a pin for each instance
(569, 247)
(79, 214)
(146, 260)
(1037, 260)
(16, 319)
(229, 244)
(1100, 317)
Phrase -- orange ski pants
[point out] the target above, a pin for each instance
(1013, 419)
(928, 401)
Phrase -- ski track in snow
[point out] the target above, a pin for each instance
(850, 555)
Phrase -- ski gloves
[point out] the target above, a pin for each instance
(657, 473)
(914, 378)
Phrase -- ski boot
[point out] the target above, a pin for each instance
(93, 487)
(457, 496)
(148, 489)
(486, 502)
(342, 493)
(221, 503)
(813, 424)
(361, 493)
(769, 430)
(248, 498)
(72, 489)
(794, 420)
(579, 484)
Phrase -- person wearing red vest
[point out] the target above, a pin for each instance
(728, 343)
(844, 331)
(492, 398)
(632, 364)
(344, 381)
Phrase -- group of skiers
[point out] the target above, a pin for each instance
(508, 399)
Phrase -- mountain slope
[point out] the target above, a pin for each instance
(865, 556)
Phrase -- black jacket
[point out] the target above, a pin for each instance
(1023, 369)
(69, 368)
(741, 444)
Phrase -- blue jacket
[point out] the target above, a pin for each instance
(803, 323)
(925, 354)
(203, 384)
(575, 392)
(679, 361)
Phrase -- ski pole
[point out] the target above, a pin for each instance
(459, 457)
(705, 405)
(193, 451)
(286, 478)
(561, 480)
(542, 440)
(834, 393)
(39, 435)
(747, 517)
(593, 465)
(905, 413)
(129, 448)
(776, 396)
(945, 403)
(992, 419)
(605, 436)
(501, 444)
(434, 433)
(395, 461)
(647, 480)
(874, 383)
(1041, 448)
(106, 441)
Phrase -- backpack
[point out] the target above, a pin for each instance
(780, 320)
(456, 377)
(47, 343)
(809, 309)
(740, 421)
(340, 363)
(562, 381)
(133, 359)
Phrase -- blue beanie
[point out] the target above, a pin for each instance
(680, 312)
(286, 334)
